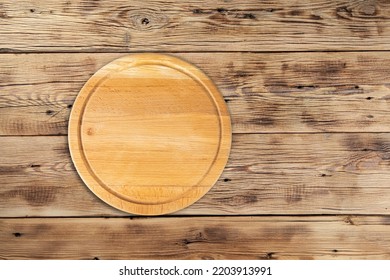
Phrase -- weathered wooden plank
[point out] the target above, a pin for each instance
(299, 92)
(339, 237)
(266, 174)
(195, 25)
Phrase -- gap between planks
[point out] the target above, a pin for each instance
(239, 133)
(172, 216)
(2, 52)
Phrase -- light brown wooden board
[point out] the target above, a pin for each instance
(297, 92)
(266, 174)
(340, 237)
(149, 134)
(194, 25)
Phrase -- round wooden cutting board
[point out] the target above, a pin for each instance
(149, 134)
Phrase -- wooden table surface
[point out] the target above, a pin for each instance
(307, 84)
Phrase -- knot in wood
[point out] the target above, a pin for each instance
(146, 19)
(368, 9)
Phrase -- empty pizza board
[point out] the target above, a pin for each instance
(149, 134)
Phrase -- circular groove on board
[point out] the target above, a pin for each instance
(149, 134)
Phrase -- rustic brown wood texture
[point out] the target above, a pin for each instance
(266, 174)
(196, 25)
(338, 237)
(307, 84)
(294, 92)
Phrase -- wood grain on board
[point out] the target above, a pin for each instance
(337, 237)
(149, 134)
(266, 174)
(295, 92)
(195, 25)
